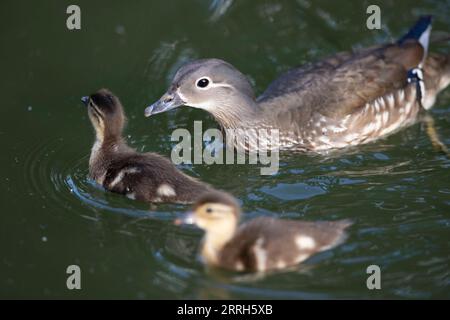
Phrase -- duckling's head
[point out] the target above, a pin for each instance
(106, 114)
(216, 212)
(210, 84)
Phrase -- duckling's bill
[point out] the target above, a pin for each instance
(187, 218)
(167, 102)
(85, 100)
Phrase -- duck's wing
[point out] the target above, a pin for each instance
(342, 84)
(339, 85)
(266, 244)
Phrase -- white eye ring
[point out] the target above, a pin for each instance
(203, 83)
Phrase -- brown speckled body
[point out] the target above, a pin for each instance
(351, 99)
(345, 100)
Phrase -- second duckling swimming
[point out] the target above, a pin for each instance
(118, 168)
(261, 244)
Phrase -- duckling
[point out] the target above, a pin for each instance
(262, 244)
(118, 168)
(347, 99)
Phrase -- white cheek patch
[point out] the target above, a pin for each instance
(204, 106)
(182, 97)
(219, 85)
(211, 84)
(208, 104)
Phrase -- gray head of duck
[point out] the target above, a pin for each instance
(217, 213)
(106, 113)
(209, 84)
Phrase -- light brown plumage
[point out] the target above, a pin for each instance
(260, 244)
(347, 99)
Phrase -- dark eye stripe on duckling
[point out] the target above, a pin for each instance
(268, 244)
(106, 101)
(95, 110)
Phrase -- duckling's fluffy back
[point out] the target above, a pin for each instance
(267, 244)
(152, 178)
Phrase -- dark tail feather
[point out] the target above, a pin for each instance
(421, 32)
(417, 30)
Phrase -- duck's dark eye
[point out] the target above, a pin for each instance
(202, 83)
(209, 210)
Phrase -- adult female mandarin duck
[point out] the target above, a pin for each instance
(347, 99)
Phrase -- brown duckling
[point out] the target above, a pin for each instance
(261, 244)
(118, 168)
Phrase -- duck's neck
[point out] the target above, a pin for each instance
(240, 113)
(106, 143)
(214, 242)
(245, 124)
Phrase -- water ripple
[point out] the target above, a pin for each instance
(61, 183)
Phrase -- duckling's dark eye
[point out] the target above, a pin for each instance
(202, 83)
(209, 210)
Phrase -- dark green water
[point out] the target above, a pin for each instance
(397, 190)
